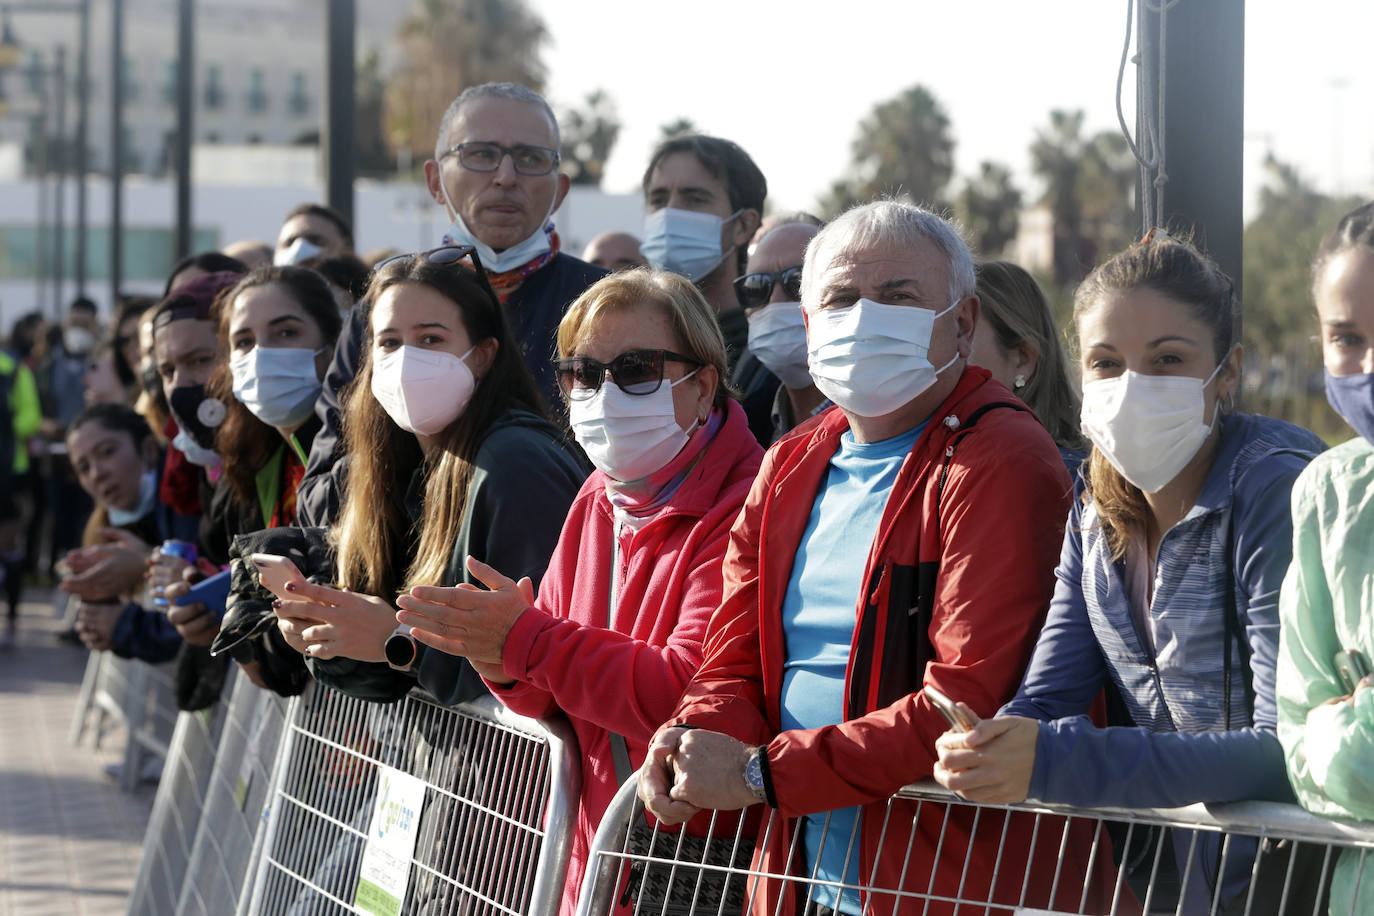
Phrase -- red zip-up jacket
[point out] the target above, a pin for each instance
(625, 679)
(957, 584)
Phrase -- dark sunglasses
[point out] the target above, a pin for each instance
(755, 290)
(445, 256)
(636, 372)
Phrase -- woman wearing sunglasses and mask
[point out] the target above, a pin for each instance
(450, 456)
(1167, 585)
(637, 570)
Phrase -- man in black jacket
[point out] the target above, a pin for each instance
(495, 173)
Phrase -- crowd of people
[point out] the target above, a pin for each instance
(744, 500)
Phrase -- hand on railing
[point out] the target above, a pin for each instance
(992, 763)
(687, 770)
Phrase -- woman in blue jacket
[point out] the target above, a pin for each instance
(1168, 583)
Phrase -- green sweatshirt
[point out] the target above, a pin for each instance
(24, 409)
(1324, 608)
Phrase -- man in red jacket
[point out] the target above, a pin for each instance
(907, 538)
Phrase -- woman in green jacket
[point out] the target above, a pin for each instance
(1326, 718)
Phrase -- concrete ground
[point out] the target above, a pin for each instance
(69, 838)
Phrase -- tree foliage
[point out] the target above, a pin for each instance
(589, 135)
(989, 206)
(449, 45)
(904, 148)
(676, 128)
(1089, 183)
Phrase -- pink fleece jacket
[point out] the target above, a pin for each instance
(627, 678)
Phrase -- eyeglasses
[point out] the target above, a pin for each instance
(636, 372)
(755, 290)
(445, 256)
(480, 156)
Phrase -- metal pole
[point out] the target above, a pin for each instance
(60, 206)
(116, 147)
(83, 94)
(1204, 101)
(186, 70)
(40, 169)
(340, 86)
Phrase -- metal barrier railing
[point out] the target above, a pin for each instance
(491, 810)
(137, 695)
(176, 818)
(1121, 868)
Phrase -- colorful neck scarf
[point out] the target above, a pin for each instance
(508, 281)
(642, 498)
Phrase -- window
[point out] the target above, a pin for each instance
(257, 91)
(169, 82)
(298, 101)
(214, 92)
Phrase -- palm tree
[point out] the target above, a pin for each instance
(904, 148)
(989, 206)
(589, 135)
(1057, 159)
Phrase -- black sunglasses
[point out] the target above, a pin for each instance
(445, 256)
(636, 372)
(755, 290)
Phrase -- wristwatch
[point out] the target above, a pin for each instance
(753, 774)
(401, 649)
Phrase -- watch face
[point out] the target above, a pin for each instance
(753, 773)
(400, 650)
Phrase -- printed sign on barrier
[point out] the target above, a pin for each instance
(385, 871)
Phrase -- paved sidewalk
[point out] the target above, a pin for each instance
(69, 839)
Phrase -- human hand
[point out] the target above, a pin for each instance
(655, 778)
(992, 763)
(114, 567)
(95, 623)
(324, 622)
(466, 620)
(164, 570)
(708, 771)
(196, 623)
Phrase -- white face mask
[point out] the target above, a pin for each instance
(278, 385)
(777, 336)
(194, 451)
(871, 358)
(298, 251)
(629, 436)
(423, 391)
(508, 259)
(147, 501)
(684, 241)
(1148, 426)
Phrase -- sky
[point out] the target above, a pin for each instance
(789, 80)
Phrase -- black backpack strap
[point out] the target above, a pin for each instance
(964, 429)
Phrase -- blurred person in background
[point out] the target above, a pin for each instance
(252, 253)
(195, 266)
(124, 335)
(495, 173)
(452, 456)
(101, 379)
(771, 295)
(614, 251)
(312, 230)
(703, 200)
(1018, 342)
(637, 570)
(346, 274)
(20, 418)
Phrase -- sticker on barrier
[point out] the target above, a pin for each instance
(937, 855)
(487, 799)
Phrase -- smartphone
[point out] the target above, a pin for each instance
(275, 572)
(212, 592)
(958, 720)
(1352, 667)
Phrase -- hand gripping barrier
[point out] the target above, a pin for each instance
(1099, 861)
(495, 825)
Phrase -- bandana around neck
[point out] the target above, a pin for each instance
(509, 281)
(643, 498)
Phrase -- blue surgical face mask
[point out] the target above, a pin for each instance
(684, 241)
(278, 385)
(512, 257)
(147, 500)
(1352, 396)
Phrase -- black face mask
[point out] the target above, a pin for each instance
(197, 414)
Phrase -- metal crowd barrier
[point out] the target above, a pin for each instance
(138, 696)
(176, 818)
(1122, 862)
(496, 807)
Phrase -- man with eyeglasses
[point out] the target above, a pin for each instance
(495, 173)
(771, 295)
(703, 199)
